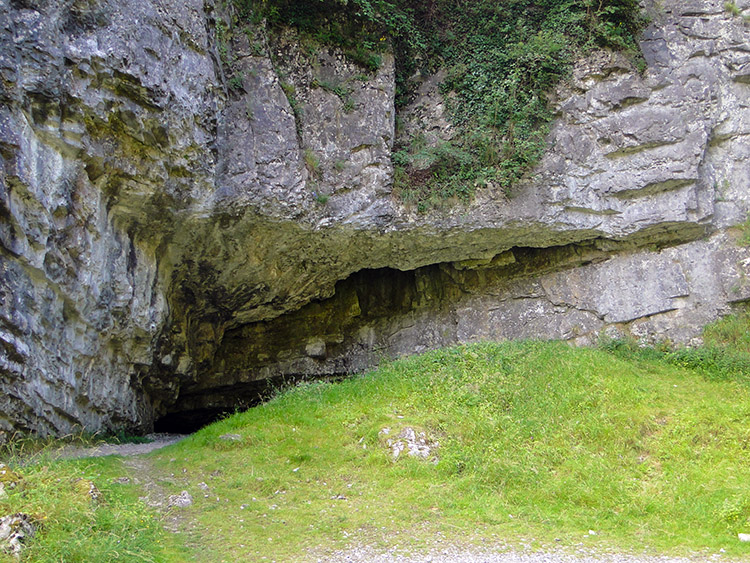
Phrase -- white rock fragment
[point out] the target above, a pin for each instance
(415, 443)
(14, 531)
(183, 500)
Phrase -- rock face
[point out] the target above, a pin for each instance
(187, 214)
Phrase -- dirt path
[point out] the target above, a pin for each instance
(158, 441)
(155, 495)
(143, 473)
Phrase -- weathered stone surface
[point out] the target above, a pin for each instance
(414, 442)
(15, 530)
(427, 115)
(183, 500)
(97, 125)
(185, 214)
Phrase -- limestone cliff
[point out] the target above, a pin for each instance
(170, 238)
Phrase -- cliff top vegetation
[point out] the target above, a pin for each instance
(501, 59)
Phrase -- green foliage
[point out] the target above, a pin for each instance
(343, 92)
(291, 95)
(432, 175)
(732, 8)
(745, 238)
(348, 105)
(731, 333)
(735, 511)
(501, 59)
(723, 356)
(222, 40)
(353, 27)
(236, 82)
(312, 162)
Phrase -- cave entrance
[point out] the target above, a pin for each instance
(194, 410)
(187, 422)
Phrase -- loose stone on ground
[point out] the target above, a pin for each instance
(15, 530)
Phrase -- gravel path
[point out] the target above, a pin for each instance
(158, 441)
(478, 555)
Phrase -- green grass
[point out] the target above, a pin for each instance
(732, 8)
(731, 333)
(536, 440)
(646, 447)
(74, 527)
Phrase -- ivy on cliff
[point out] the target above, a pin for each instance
(501, 58)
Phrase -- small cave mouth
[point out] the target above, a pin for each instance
(187, 422)
(195, 410)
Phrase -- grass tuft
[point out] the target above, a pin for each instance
(732, 8)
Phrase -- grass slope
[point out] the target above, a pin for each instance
(537, 440)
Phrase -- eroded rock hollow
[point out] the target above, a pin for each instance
(171, 243)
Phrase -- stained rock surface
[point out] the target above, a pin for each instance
(172, 239)
(15, 529)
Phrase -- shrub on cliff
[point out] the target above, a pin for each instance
(501, 59)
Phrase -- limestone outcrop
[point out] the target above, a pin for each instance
(185, 217)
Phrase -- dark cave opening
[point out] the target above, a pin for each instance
(196, 409)
(200, 409)
(187, 422)
(374, 314)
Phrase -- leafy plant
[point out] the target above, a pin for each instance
(731, 333)
(732, 8)
(501, 59)
(348, 106)
(343, 92)
(236, 82)
(291, 95)
(745, 238)
(222, 40)
(340, 91)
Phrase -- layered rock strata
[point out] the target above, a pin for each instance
(189, 210)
